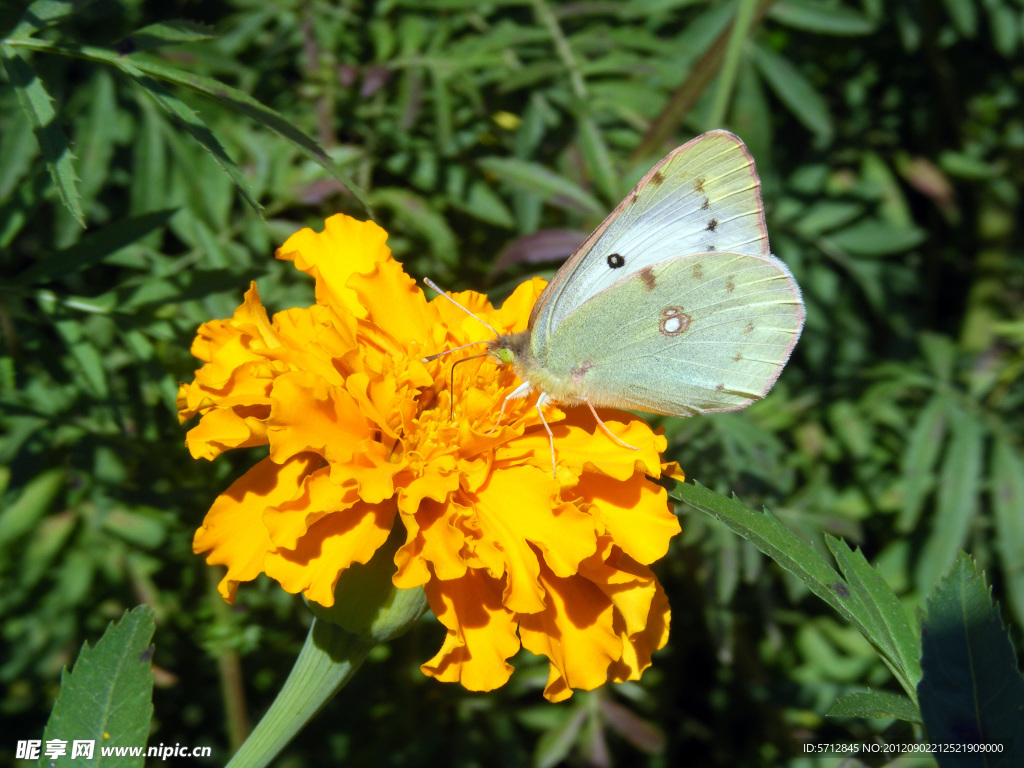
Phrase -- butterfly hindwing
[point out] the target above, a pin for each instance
(704, 196)
(705, 332)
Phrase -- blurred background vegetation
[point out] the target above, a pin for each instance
(489, 137)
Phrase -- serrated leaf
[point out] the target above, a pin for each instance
(972, 691)
(818, 17)
(795, 91)
(107, 697)
(163, 33)
(38, 107)
(195, 126)
(919, 460)
(957, 500)
(535, 178)
(892, 631)
(95, 247)
(876, 704)
(778, 542)
(45, 13)
(223, 94)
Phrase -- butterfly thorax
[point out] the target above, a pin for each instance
(514, 349)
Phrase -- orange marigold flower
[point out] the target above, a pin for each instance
(361, 438)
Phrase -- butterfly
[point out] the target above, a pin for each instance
(674, 305)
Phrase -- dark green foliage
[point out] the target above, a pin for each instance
(972, 692)
(106, 697)
(890, 143)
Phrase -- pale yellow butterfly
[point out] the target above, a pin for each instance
(674, 305)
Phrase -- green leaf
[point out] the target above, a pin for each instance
(971, 691)
(794, 90)
(107, 697)
(877, 238)
(417, 216)
(21, 515)
(818, 17)
(18, 148)
(957, 501)
(221, 93)
(876, 704)
(535, 178)
(45, 13)
(827, 215)
(38, 107)
(892, 632)
(555, 744)
(166, 33)
(192, 123)
(1007, 491)
(963, 15)
(919, 460)
(95, 247)
(778, 542)
(598, 160)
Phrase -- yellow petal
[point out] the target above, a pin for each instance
(319, 496)
(481, 632)
(220, 430)
(636, 513)
(575, 631)
(638, 648)
(310, 415)
(330, 546)
(233, 532)
(517, 522)
(346, 247)
(433, 546)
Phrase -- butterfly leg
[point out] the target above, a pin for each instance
(551, 437)
(521, 391)
(605, 428)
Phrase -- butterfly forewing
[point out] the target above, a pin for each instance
(707, 332)
(704, 196)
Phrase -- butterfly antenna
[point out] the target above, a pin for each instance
(431, 358)
(451, 385)
(431, 284)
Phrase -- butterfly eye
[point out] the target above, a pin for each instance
(615, 261)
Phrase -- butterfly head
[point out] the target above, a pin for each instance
(510, 348)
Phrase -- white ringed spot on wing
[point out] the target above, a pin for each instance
(674, 321)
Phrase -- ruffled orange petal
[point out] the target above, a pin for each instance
(220, 430)
(310, 415)
(433, 545)
(636, 514)
(331, 545)
(481, 632)
(518, 520)
(575, 631)
(346, 247)
(233, 532)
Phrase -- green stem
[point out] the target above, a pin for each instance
(741, 27)
(547, 18)
(327, 662)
